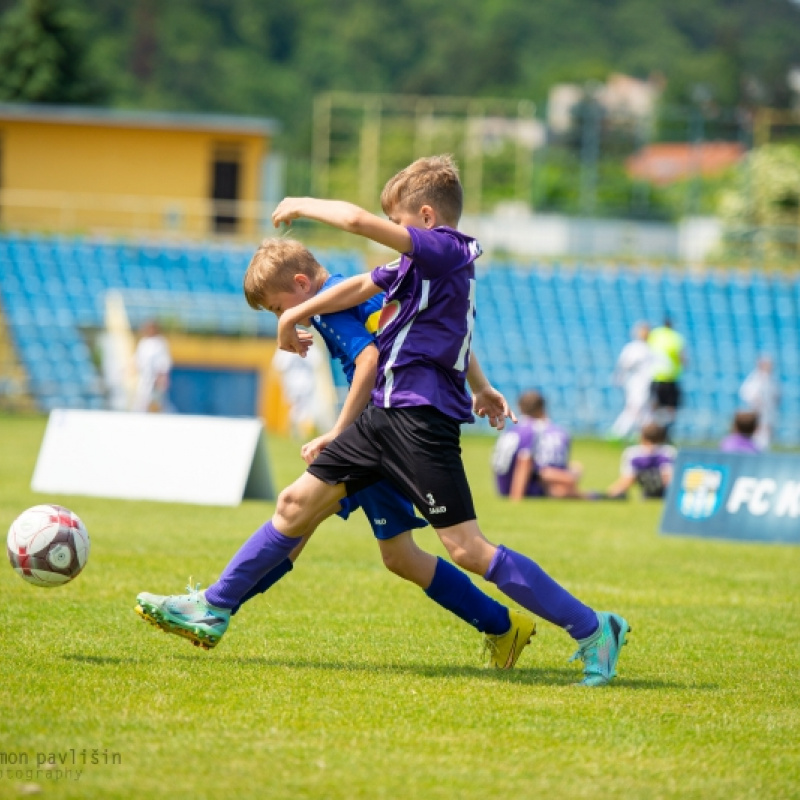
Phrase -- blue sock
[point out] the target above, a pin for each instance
(270, 579)
(526, 582)
(453, 590)
(260, 554)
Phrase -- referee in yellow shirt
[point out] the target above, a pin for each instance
(669, 360)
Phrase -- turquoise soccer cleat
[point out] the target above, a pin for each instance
(187, 615)
(600, 651)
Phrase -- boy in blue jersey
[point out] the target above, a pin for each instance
(282, 274)
(410, 432)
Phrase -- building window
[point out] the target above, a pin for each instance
(225, 184)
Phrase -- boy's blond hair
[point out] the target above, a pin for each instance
(273, 267)
(429, 181)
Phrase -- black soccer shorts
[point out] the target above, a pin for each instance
(666, 394)
(416, 448)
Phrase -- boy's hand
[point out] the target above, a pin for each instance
(310, 450)
(291, 339)
(489, 403)
(288, 209)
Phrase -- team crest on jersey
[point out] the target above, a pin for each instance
(700, 491)
(388, 314)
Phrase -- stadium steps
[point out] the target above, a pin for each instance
(14, 394)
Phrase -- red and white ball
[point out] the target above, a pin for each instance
(48, 545)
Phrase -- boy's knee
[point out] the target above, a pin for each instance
(395, 562)
(286, 502)
(291, 510)
(398, 555)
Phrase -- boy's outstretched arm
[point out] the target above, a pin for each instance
(620, 486)
(486, 400)
(366, 371)
(347, 294)
(345, 216)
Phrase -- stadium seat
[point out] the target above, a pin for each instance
(555, 327)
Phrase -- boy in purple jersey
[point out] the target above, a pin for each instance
(410, 433)
(648, 463)
(532, 459)
(740, 439)
(282, 274)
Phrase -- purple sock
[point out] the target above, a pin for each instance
(268, 581)
(262, 552)
(526, 582)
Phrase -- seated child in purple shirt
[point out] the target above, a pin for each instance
(532, 458)
(740, 439)
(648, 464)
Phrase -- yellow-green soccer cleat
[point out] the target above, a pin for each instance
(600, 651)
(187, 615)
(504, 649)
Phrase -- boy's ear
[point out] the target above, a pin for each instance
(428, 214)
(302, 281)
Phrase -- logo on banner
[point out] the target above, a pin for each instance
(700, 492)
(734, 496)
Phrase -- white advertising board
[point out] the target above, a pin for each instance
(168, 457)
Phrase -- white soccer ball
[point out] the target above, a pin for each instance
(48, 545)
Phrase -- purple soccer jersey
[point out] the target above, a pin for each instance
(648, 465)
(736, 443)
(513, 442)
(551, 444)
(545, 442)
(426, 324)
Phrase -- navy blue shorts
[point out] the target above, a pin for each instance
(389, 512)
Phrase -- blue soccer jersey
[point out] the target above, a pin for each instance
(346, 334)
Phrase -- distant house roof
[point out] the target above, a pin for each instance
(125, 118)
(668, 162)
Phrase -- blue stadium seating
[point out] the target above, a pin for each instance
(53, 290)
(551, 327)
(574, 321)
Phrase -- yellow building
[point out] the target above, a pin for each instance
(75, 169)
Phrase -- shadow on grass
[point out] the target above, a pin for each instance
(531, 676)
(528, 676)
(101, 661)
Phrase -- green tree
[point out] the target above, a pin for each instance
(42, 56)
(761, 211)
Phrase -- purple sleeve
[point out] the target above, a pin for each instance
(385, 275)
(439, 251)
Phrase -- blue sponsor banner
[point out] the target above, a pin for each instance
(734, 496)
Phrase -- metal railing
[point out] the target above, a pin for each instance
(95, 213)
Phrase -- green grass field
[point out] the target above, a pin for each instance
(344, 682)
